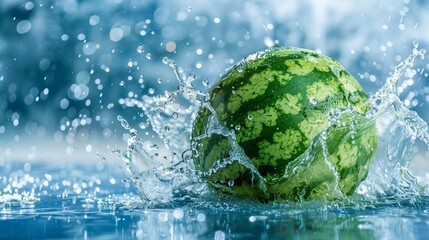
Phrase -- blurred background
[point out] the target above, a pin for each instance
(67, 66)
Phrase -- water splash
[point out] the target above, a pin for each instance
(171, 117)
(164, 173)
(399, 128)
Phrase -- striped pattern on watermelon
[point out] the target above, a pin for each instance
(277, 101)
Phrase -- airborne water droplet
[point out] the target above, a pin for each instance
(237, 127)
(250, 117)
(191, 77)
(140, 49)
(148, 56)
(206, 83)
(165, 60)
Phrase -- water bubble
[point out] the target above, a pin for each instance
(252, 219)
(151, 91)
(175, 115)
(148, 56)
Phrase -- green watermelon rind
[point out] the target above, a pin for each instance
(279, 99)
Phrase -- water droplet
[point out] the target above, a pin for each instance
(151, 91)
(178, 213)
(159, 80)
(231, 183)
(219, 235)
(165, 60)
(148, 56)
(313, 101)
(27, 167)
(191, 77)
(206, 83)
(354, 99)
(237, 127)
(250, 117)
(140, 49)
(175, 115)
(201, 217)
(189, 9)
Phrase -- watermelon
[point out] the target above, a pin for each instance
(298, 117)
